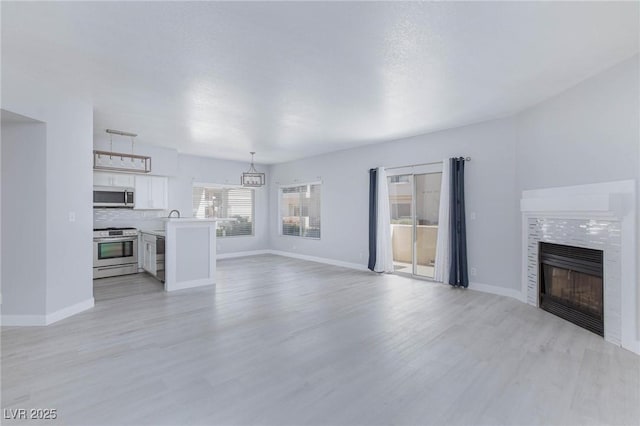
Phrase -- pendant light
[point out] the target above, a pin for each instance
(252, 178)
(117, 161)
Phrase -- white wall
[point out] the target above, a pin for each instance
(587, 134)
(490, 188)
(24, 275)
(69, 131)
(208, 170)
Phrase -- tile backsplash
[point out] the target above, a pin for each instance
(141, 219)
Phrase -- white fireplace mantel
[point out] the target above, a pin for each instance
(609, 199)
(599, 205)
(601, 216)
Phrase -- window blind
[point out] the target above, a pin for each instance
(225, 202)
(300, 210)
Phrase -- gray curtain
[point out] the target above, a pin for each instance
(458, 275)
(373, 217)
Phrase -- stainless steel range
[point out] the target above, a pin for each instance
(115, 252)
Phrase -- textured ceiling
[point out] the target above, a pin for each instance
(290, 80)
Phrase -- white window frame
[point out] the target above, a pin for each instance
(292, 185)
(230, 186)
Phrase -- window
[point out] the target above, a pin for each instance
(225, 202)
(300, 210)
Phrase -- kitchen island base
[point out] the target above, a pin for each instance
(190, 253)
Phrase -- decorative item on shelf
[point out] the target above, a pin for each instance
(252, 178)
(120, 161)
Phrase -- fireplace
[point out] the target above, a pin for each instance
(571, 284)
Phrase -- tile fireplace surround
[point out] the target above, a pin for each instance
(597, 216)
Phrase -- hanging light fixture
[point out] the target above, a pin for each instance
(252, 178)
(108, 160)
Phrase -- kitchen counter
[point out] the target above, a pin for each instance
(156, 232)
(187, 220)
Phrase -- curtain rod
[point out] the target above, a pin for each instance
(421, 164)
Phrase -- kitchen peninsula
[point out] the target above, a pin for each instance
(190, 253)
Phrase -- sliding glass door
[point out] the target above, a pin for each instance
(414, 200)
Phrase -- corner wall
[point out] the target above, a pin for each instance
(68, 235)
(24, 272)
(491, 195)
(588, 134)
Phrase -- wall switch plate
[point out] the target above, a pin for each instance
(72, 216)
(472, 216)
(473, 272)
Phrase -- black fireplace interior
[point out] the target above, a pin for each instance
(571, 286)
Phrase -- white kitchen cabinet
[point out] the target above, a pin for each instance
(149, 259)
(122, 180)
(151, 193)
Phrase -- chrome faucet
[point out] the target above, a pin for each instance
(172, 211)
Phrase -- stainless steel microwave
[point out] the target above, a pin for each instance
(111, 196)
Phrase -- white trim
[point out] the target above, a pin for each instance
(42, 320)
(293, 185)
(189, 284)
(70, 310)
(428, 169)
(232, 255)
(320, 260)
(500, 291)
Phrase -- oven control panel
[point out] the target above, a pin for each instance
(106, 233)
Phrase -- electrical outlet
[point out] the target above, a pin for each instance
(473, 272)
(472, 216)
(72, 216)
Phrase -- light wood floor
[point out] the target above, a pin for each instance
(287, 342)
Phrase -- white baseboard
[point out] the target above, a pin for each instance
(293, 255)
(41, 320)
(190, 284)
(220, 256)
(500, 291)
(70, 310)
(635, 348)
(320, 260)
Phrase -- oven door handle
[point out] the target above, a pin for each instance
(113, 240)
